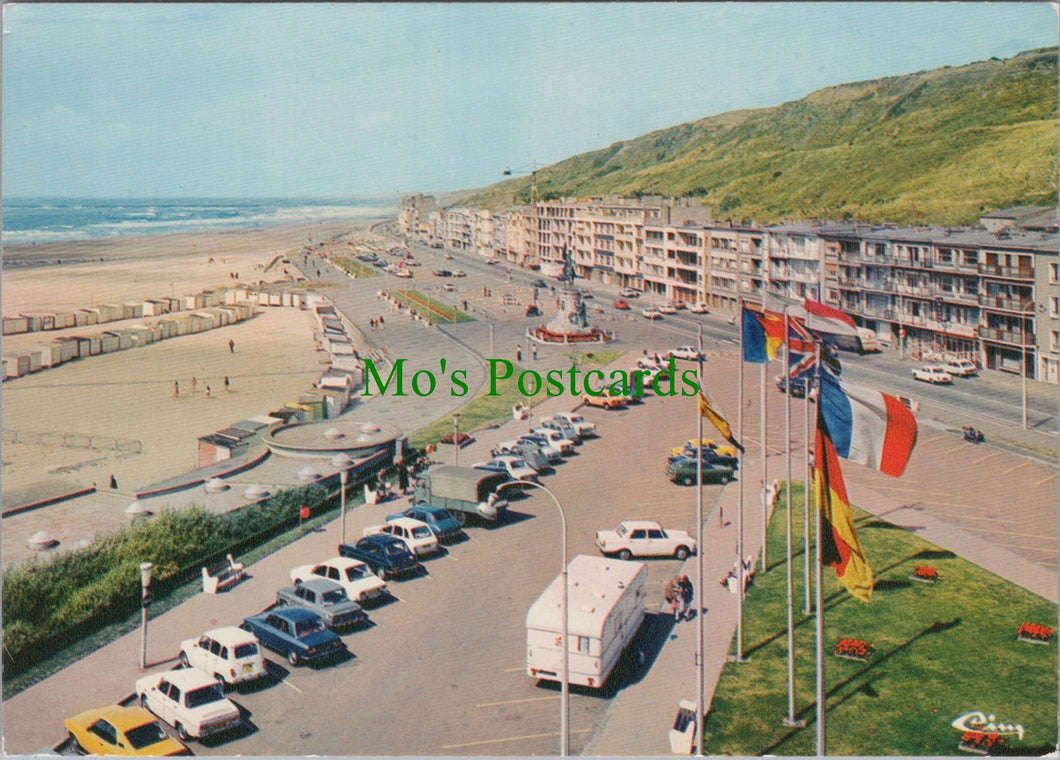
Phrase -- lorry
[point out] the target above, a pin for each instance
(464, 491)
(605, 607)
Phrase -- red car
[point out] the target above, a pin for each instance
(620, 304)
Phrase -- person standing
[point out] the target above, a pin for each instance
(533, 351)
(687, 595)
(176, 389)
(228, 385)
(403, 476)
(673, 596)
(231, 346)
(518, 353)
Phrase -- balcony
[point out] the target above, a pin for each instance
(1013, 337)
(1004, 304)
(1009, 273)
(879, 285)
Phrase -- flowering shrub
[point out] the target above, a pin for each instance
(982, 741)
(853, 648)
(926, 573)
(1034, 631)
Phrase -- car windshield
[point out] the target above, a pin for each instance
(394, 550)
(442, 514)
(146, 735)
(204, 696)
(421, 532)
(246, 650)
(334, 596)
(356, 573)
(306, 627)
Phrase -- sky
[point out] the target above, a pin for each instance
(312, 100)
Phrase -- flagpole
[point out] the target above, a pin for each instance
(790, 719)
(765, 461)
(818, 596)
(739, 657)
(700, 671)
(806, 491)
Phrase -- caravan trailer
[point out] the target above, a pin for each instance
(605, 607)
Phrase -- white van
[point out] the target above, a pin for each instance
(606, 601)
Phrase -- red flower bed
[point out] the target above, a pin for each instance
(1034, 631)
(854, 648)
(429, 306)
(925, 572)
(977, 740)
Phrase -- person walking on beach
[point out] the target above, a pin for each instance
(207, 391)
(228, 385)
(194, 385)
(231, 346)
(113, 483)
(176, 389)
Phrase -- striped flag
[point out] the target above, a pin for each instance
(867, 426)
(840, 547)
(822, 318)
(763, 334)
(708, 409)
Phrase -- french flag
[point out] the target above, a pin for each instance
(867, 426)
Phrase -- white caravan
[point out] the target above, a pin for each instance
(605, 605)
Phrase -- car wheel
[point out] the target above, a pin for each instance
(184, 661)
(182, 733)
(292, 657)
(688, 480)
(681, 552)
(625, 554)
(382, 573)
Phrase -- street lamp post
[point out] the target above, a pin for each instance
(564, 694)
(343, 461)
(456, 439)
(145, 600)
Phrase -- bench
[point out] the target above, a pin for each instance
(221, 575)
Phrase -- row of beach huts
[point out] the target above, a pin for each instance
(174, 317)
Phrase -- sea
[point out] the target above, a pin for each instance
(47, 220)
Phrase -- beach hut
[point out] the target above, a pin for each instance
(221, 446)
(87, 345)
(173, 304)
(16, 366)
(193, 302)
(15, 325)
(68, 349)
(314, 402)
(154, 308)
(301, 412)
(64, 319)
(110, 312)
(49, 355)
(84, 318)
(232, 295)
(141, 335)
(124, 337)
(108, 343)
(335, 401)
(167, 328)
(33, 322)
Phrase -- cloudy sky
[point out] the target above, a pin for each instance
(289, 100)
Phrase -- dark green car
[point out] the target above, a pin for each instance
(683, 470)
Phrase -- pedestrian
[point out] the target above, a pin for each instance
(194, 385)
(533, 351)
(687, 594)
(176, 389)
(228, 385)
(231, 346)
(403, 476)
(207, 391)
(113, 483)
(382, 322)
(518, 353)
(673, 596)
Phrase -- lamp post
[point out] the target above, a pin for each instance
(145, 600)
(564, 694)
(343, 461)
(456, 438)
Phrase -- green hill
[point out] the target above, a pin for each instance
(937, 146)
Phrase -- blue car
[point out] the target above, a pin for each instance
(441, 522)
(297, 634)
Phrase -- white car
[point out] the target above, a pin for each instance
(961, 368)
(417, 535)
(651, 313)
(402, 272)
(699, 308)
(644, 538)
(668, 308)
(356, 577)
(932, 373)
(459, 273)
(629, 293)
(515, 467)
(582, 425)
(231, 655)
(190, 701)
(685, 352)
(550, 452)
(555, 438)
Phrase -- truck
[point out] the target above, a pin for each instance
(605, 607)
(464, 491)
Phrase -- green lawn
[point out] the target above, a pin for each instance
(430, 308)
(941, 651)
(596, 357)
(354, 267)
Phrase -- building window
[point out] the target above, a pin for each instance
(1053, 306)
(1052, 274)
(1054, 340)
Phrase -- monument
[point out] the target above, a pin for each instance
(571, 325)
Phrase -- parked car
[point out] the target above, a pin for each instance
(798, 386)
(621, 304)
(691, 353)
(546, 445)
(684, 470)
(961, 368)
(692, 443)
(442, 273)
(403, 273)
(229, 654)
(644, 538)
(562, 427)
(123, 731)
(651, 313)
(932, 373)
(699, 308)
(416, 534)
(582, 425)
(605, 400)
(540, 443)
(459, 273)
(387, 556)
(326, 599)
(190, 701)
(668, 308)
(629, 293)
(539, 283)
(296, 633)
(440, 520)
(515, 467)
(529, 453)
(557, 438)
(710, 457)
(356, 577)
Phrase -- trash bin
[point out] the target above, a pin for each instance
(684, 731)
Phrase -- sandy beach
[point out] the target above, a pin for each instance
(129, 395)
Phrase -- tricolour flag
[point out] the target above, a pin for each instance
(826, 319)
(763, 334)
(840, 548)
(708, 409)
(867, 426)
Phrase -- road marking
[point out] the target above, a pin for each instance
(1008, 532)
(511, 739)
(1045, 480)
(988, 456)
(917, 491)
(1013, 469)
(953, 504)
(515, 670)
(285, 682)
(955, 449)
(518, 701)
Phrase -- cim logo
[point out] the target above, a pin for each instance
(986, 724)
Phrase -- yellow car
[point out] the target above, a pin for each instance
(724, 449)
(117, 730)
